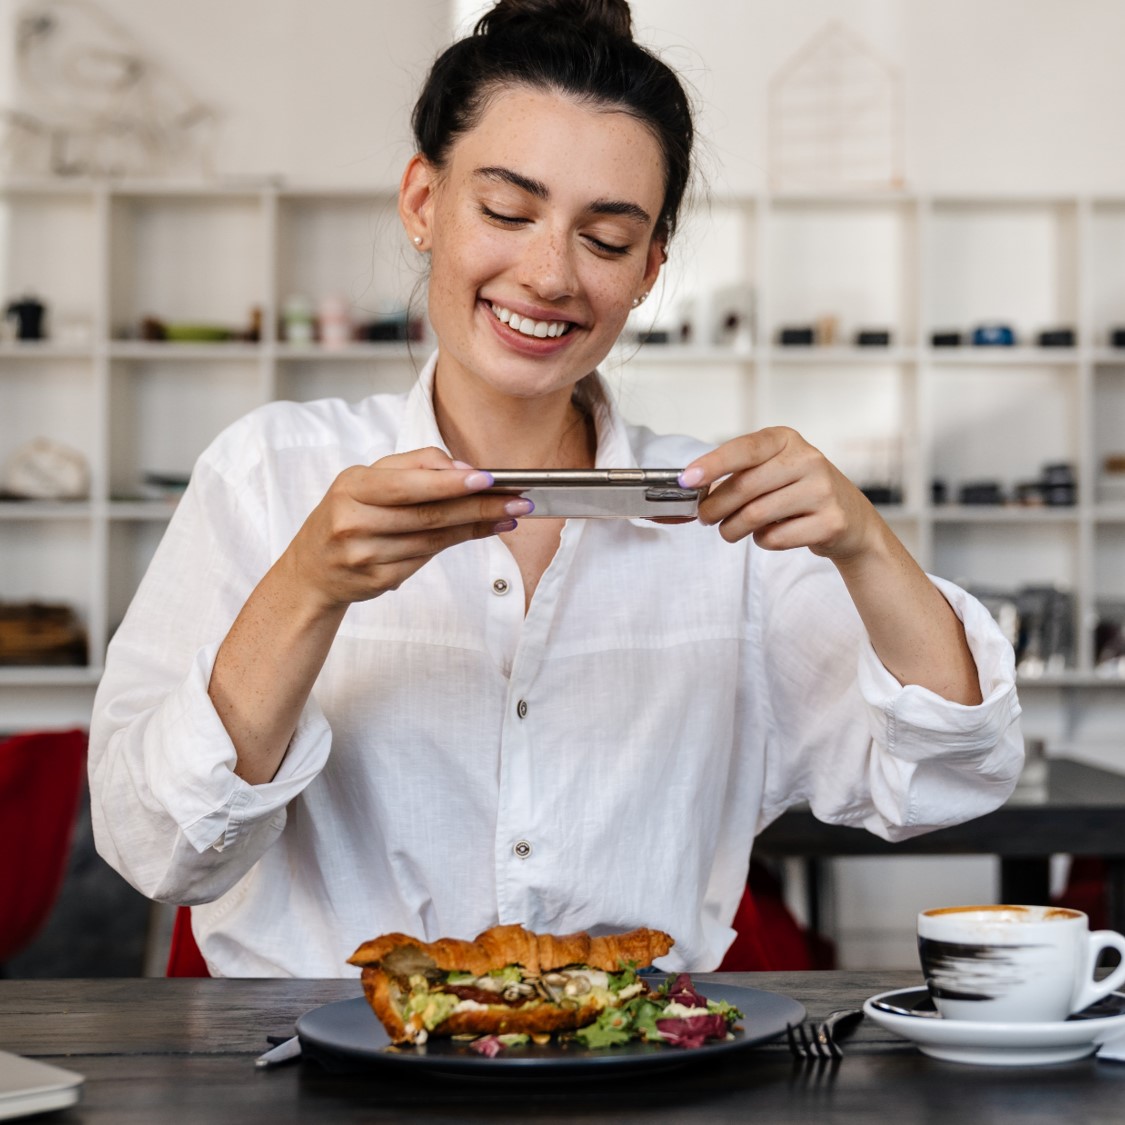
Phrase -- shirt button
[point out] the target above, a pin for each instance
(521, 708)
(500, 586)
(522, 849)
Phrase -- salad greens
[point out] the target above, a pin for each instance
(674, 1014)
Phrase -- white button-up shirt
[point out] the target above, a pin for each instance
(603, 762)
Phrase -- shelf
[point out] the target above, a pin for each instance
(33, 675)
(843, 199)
(1069, 680)
(142, 510)
(1004, 513)
(45, 349)
(104, 255)
(975, 356)
(680, 354)
(45, 510)
(816, 356)
(358, 352)
(128, 349)
(1110, 357)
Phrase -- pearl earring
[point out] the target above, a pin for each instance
(637, 301)
(417, 240)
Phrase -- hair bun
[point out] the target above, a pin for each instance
(610, 17)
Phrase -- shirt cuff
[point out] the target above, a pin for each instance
(191, 760)
(917, 724)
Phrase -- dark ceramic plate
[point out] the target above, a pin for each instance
(347, 1034)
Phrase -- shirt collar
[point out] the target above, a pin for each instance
(420, 429)
(419, 424)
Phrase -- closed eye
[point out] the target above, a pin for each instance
(606, 247)
(506, 220)
(518, 220)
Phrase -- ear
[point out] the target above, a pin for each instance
(657, 256)
(415, 197)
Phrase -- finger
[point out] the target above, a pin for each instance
(801, 531)
(742, 452)
(433, 515)
(392, 486)
(775, 508)
(746, 488)
(392, 573)
(392, 550)
(430, 457)
(804, 514)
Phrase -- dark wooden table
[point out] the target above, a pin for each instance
(164, 1052)
(1080, 812)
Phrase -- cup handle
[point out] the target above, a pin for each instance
(1093, 990)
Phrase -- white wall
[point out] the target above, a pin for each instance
(315, 92)
(998, 94)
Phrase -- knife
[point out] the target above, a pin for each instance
(284, 1052)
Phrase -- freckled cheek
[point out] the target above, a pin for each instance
(470, 263)
(613, 298)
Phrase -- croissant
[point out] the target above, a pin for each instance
(508, 980)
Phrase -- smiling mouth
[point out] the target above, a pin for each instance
(541, 329)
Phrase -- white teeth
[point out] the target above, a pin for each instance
(529, 327)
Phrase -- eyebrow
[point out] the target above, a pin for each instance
(540, 190)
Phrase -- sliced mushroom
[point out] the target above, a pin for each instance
(408, 960)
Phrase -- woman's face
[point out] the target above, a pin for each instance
(541, 233)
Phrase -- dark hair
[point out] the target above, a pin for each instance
(583, 48)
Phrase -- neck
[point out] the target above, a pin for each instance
(500, 432)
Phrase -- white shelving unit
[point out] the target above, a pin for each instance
(105, 255)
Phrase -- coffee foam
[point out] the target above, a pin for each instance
(1006, 913)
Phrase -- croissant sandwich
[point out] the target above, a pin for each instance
(507, 981)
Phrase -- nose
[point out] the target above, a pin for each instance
(549, 267)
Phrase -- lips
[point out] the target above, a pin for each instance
(529, 326)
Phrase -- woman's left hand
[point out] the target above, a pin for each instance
(775, 486)
(785, 493)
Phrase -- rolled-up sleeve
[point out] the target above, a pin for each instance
(944, 762)
(169, 812)
(862, 749)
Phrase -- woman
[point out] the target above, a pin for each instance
(356, 694)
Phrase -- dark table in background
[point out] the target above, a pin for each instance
(174, 1052)
(1081, 813)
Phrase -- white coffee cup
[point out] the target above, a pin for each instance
(1014, 964)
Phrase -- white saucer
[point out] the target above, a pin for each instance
(999, 1044)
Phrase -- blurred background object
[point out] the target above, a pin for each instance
(836, 117)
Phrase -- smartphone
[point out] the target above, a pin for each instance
(608, 494)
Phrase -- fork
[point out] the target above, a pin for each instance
(820, 1041)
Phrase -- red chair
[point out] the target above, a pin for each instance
(769, 937)
(41, 776)
(184, 958)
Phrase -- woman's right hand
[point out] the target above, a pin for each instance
(378, 524)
